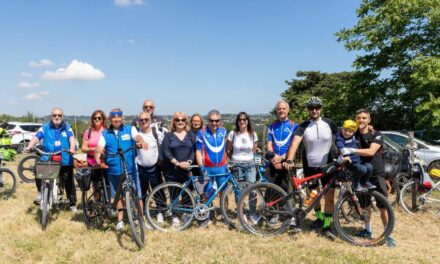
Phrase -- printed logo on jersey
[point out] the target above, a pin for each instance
(125, 137)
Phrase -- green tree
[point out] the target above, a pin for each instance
(398, 41)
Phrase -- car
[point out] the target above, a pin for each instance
(22, 133)
(430, 154)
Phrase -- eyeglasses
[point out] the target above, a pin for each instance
(180, 119)
(116, 114)
(317, 108)
(57, 115)
(144, 120)
(148, 107)
(97, 118)
(242, 120)
(214, 120)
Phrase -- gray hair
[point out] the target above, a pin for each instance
(57, 108)
(213, 112)
(282, 102)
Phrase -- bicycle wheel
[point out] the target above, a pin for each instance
(93, 211)
(8, 183)
(170, 206)
(229, 203)
(393, 192)
(45, 205)
(414, 198)
(135, 218)
(262, 209)
(26, 168)
(402, 179)
(373, 207)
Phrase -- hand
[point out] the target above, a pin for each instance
(278, 166)
(277, 159)
(183, 164)
(288, 164)
(72, 151)
(202, 170)
(26, 149)
(348, 151)
(142, 145)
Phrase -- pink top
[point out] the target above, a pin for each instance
(92, 142)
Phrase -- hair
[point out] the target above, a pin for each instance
(250, 130)
(192, 117)
(57, 108)
(148, 100)
(213, 112)
(282, 102)
(363, 110)
(104, 118)
(173, 121)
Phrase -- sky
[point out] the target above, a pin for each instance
(186, 55)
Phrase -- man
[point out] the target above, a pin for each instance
(370, 143)
(156, 121)
(119, 136)
(318, 135)
(58, 135)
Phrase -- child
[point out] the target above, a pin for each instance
(361, 170)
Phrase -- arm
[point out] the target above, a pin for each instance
(254, 148)
(368, 152)
(72, 144)
(32, 143)
(99, 149)
(138, 138)
(293, 147)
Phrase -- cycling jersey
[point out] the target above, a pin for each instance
(212, 146)
(280, 133)
(318, 137)
(56, 139)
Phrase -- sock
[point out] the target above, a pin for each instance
(368, 226)
(319, 214)
(327, 220)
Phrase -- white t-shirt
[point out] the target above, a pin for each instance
(148, 157)
(242, 146)
(134, 133)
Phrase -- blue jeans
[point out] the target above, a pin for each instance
(361, 171)
(245, 171)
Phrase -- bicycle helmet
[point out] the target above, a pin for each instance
(314, 101)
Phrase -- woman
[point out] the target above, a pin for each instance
(178, 153)
(241, 146)
(196, 123)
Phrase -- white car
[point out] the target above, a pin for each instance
(430, 154)
(22, 133)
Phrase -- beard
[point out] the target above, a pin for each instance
(57, 121)
(362, 126)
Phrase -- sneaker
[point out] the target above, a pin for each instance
(274, 220)
(175, 222)
(326, 232)
(364, 233)
(390, 242)
(119, 226)
(317, 224)
(369, 186)
(37, 199)
(159, 218)
(357, 187)
(73, 209)
(255, 219)
(294, 225)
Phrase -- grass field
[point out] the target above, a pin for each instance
(67, 240)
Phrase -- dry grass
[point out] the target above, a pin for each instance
(67, 240)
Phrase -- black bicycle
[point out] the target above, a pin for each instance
(98, 207)
(8, 181)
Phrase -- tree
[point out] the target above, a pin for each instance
(399, 54)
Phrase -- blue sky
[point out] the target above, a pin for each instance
(187, 55)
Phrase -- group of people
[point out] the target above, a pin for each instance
(165, 154)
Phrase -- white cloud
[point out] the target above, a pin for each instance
(41, 63)
(36, 96)
(128, 41)
(129, 2)
(76, 70)
(25, 74)
(27, 85)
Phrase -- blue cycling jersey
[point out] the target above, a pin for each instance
(281, 134)
(213, 146)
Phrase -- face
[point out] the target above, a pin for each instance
(347, 133)
(214, 122)
(144, 120)
(196, 122)
(57, 117)
(116, 118)
(362, 120)
(180, 122)
(98, 120)
(242, 121)
(148, 107)
(282, 111)
(314, 112)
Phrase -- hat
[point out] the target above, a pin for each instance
(350, 124)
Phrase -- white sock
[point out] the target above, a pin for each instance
(368, 226)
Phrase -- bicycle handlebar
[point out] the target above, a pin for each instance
(120, 151)
(51, 153)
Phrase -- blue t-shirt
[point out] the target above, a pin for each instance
(213, 146)
(342, 142)
(281, 133)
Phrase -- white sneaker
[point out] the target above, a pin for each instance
(255, 219)
(274, 220)
(147, 225)
(37, 199)
(159, 218)
(119, 226)
(73, 209)
(176, 222)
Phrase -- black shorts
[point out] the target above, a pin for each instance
(309, 171)
(279, 177)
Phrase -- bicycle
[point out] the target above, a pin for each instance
(275, 208)
(178, 204)
(8, 181)
(26, 167)
(97, 206)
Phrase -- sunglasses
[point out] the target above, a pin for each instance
(214, 120)
(180, 119)
(144, 120)
(97, 118)
(148, 107)
(311, 108)
(57, 115)
(114, 114)
(242, 120)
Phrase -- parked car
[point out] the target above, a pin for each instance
(22, 133)
(430, 154)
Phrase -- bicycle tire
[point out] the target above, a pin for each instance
(229, 204)
(350, 230)
(9, 182)
(135, 217)
(26, 168)
(45, 205)
(253, 204)
(93, 217)
(160, 201)
(414, 198)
